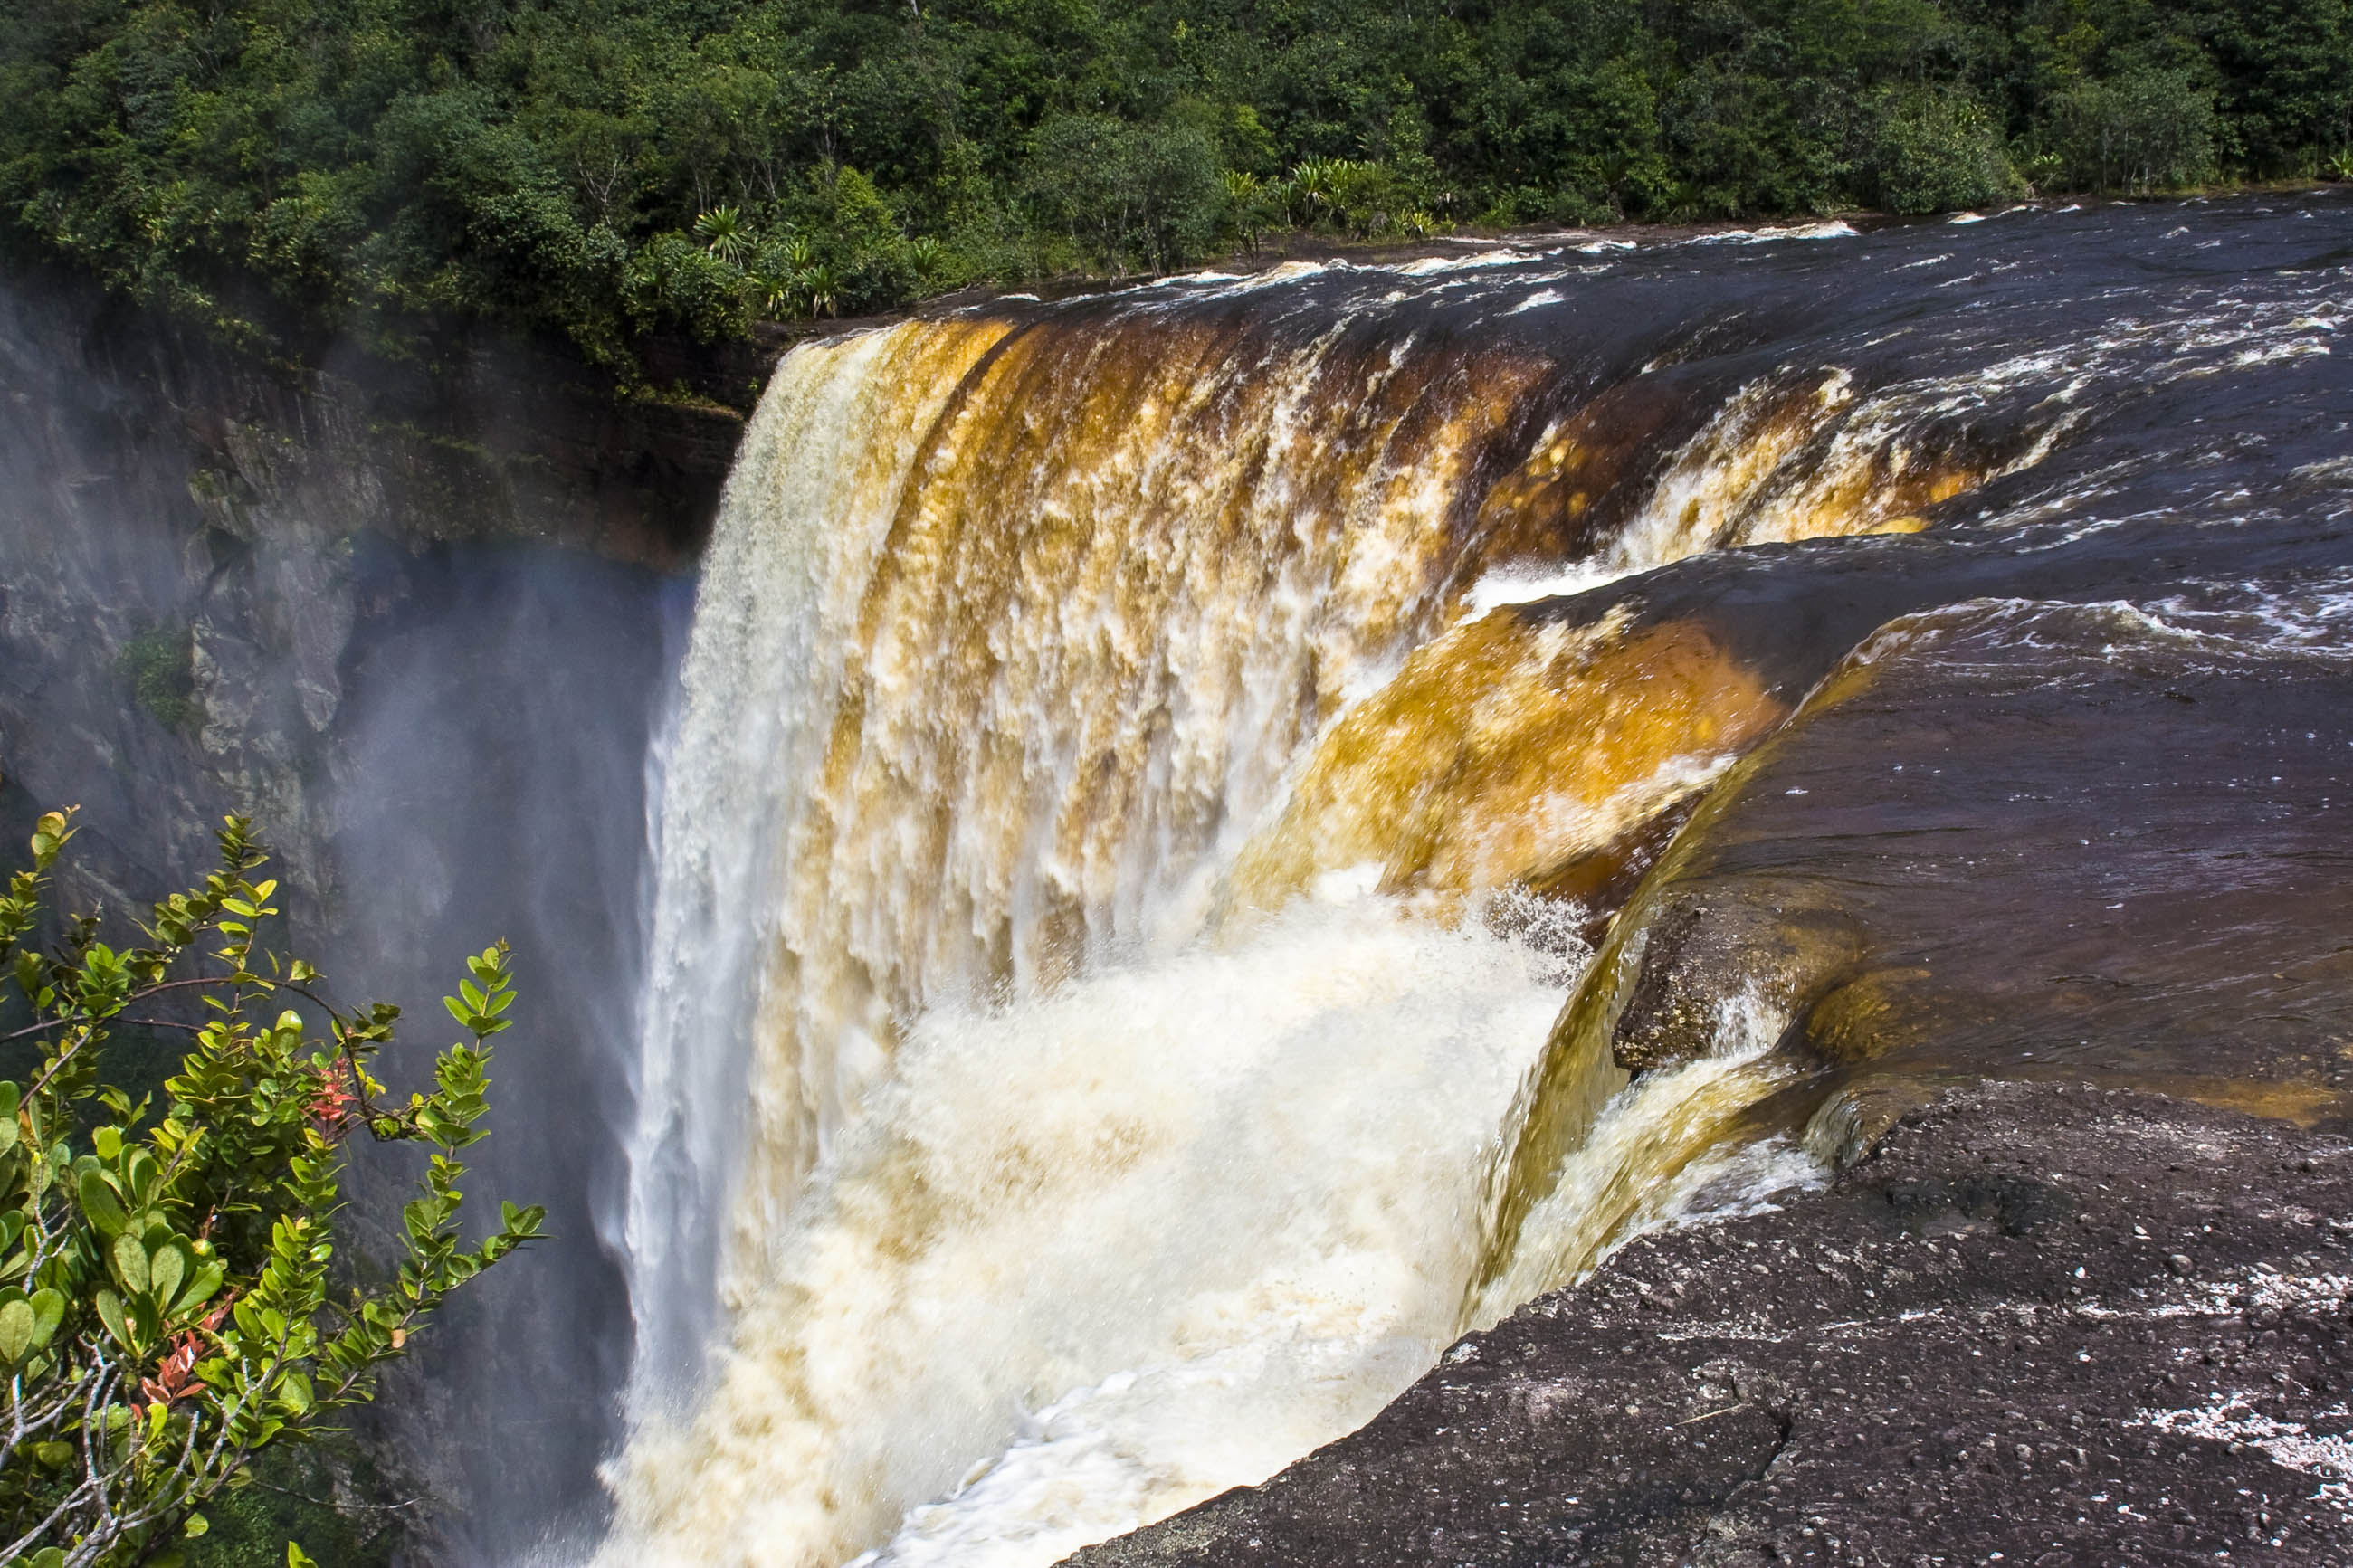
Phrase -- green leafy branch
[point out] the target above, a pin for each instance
(166, 1310)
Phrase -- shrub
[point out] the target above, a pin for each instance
(1130, 197)
(158, 664)
(1743, 143)
(1937, 152)
(671, 281)
(2144, 131)
(165, 1314)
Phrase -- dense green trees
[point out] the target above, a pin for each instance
(604, 167)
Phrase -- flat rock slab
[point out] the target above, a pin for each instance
(2042, 1324)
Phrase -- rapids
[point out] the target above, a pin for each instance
(1149, 773)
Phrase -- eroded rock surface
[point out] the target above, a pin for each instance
(2042, 1324)
(2006, 837)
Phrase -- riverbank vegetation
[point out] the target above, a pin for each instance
(608, 168)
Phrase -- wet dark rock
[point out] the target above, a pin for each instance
(1789, 614)
(1992, 843)
(1975, 1343)
(2053, 866)
(1700, 958)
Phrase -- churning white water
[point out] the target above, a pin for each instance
(1094, 1255)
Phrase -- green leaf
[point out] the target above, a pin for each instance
(131, 1262)
(198, 1525)
(108, 1141)
(109, 1313)
(18, 1324)
(296, 1391)
(295, 1558)
(166, 1268)
(202, 1283)
(141, 1172)
(99, 1202)
(49, 1310)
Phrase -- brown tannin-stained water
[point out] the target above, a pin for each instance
(1150, 775)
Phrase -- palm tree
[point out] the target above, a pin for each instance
(724, 234)
(924, 255)
(1244, 195)
(824, 289)
(774, 292)
(1316, 182)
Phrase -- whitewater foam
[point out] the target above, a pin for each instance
(1096, 1255)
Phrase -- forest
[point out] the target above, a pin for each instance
(604, 169)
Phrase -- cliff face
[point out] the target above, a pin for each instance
(417, 622)
(193, 541)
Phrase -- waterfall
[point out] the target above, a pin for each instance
(810, 496)
(1099, 953)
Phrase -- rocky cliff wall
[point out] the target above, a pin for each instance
(192, 540)
(417, 620)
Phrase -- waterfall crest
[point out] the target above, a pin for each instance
(1102, 933)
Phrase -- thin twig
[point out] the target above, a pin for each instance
(1711, 1414)
(338, 1507)
(139, 996)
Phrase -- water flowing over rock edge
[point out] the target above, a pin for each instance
(1758, 434)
